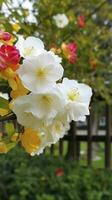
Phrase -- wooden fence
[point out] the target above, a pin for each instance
(74, 140)
(80, 134)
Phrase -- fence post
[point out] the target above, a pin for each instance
(78, 151)
(52, 149)
(61, 147)
(108, 137)
(72, 148)
(89, 147)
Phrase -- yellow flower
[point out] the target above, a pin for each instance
(17, 88)
(14, 82)
(3, 148)
(8, 74)
(30, 140)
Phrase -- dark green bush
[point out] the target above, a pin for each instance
(34, 178)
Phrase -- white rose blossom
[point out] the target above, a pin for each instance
(77, 97)
(40, 73)
(52, 133)
(35, 109)
(46, 105)
(31, 46)
(61, 20)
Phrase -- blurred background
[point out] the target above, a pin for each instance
(79, 166)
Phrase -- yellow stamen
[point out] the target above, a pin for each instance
(73, 95)
(47, 99)
(41, 73)
(28, 51)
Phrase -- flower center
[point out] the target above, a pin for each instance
(73, 94)
(41, 73)
(47, 99)
(28, 51)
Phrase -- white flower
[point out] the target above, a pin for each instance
(46, 106)
(77, 99)
(40, 73)
(38, 110)
(25, 118)
(31, 46)
(58, 128)
(53, 133)
(61, 20)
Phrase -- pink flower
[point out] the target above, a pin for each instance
(5, 36)
(72, 47)
(70, 52)
(9, 57)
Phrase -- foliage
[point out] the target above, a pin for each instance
(24, 177)
(93, 64)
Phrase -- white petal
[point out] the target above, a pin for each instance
(46, 105)
(56, 57)
(77, 111)
(40, 73)
(85, 93)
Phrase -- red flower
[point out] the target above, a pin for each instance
(59, 172)
(9, 57)
(70, 52)
(5, 36)
(72, 58)
(72, 47)
(81, 21)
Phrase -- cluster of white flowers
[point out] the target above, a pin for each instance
(52, 103)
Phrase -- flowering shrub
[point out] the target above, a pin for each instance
(88, 24)
(51, 178)
(43, 102)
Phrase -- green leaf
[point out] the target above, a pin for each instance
(11, 145)
(4, 103)
(10, 129)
